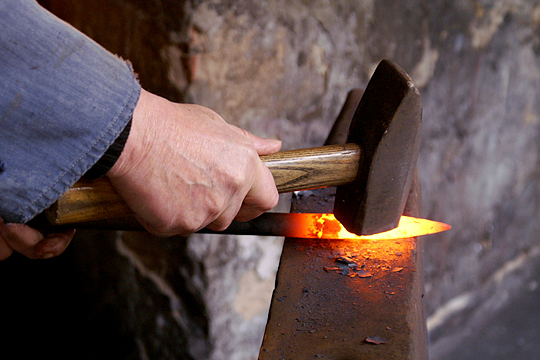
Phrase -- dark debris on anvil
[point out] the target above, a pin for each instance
(347, 265)
(344, 260)
(375, 340)
(328, 269)
(364, 274)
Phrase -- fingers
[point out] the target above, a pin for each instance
(21, 238)
(5, 249)
(223, 221)
(53, 244)
(32, 243)
(262, 196)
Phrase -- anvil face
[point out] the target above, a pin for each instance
(334, 299)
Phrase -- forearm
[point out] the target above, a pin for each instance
(64, 101)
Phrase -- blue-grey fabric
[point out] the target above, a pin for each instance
(63, 101)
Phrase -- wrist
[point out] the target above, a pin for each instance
(111, 156)
(134, 144)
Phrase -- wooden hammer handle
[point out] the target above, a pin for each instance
(293, 170)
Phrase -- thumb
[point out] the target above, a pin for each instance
(262, 145)
(265, 146)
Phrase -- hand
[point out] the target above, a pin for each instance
(31, 242)
(184, 168)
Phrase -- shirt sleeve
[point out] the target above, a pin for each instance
(63, 101)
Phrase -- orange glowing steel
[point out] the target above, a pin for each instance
(326, 226)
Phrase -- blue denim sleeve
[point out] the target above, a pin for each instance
(63, 101)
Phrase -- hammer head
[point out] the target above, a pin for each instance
(387, 127)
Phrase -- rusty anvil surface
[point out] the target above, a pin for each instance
(323, 308)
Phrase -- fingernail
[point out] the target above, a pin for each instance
(43, 252)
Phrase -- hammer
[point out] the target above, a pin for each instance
(373, 171)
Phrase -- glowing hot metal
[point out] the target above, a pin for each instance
(326, 226)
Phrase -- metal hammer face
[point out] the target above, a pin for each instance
(387, 127)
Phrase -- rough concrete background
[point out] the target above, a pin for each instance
(282, 69)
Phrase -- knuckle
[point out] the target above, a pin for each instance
(220, 224)
(214, 206)
(251, 152)
(269, 204)
(237, 180)
(245, 167)
(182, 225)
(190, 228)
(159, 227)
(273, 201)
(220, 227)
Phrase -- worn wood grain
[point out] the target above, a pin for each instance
(293, 170)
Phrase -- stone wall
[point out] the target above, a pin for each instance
(282, 69)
